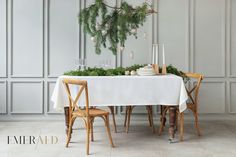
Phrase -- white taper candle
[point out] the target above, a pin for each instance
(153, 54)
(157, 53)
(163, 55)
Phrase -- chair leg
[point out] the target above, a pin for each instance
(70, 131)
(153, 126)
(128, 120)
(113, 118)
(196, 123)
(92, 137)
(149, 116)
(161, 109)
(161, 127)
(177, 121)
(106, 120)
(161, 117)
(67, 118)
(88, 134)
(181, 126)
(163, 120)
(126, 114)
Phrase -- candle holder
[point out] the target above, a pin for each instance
(156, 68)
(163, 71)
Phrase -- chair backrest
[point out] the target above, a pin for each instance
(193, 92)
(82, 87)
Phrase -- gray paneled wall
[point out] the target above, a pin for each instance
(41, 39)
(3, 38)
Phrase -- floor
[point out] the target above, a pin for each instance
(218, 139)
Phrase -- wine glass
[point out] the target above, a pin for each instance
(105, 63)
(108, 63)
(80, 63)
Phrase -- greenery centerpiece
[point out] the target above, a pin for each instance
(114, 26)
(121, 71)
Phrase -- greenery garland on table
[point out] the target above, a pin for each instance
(121, 71)
(115, 25)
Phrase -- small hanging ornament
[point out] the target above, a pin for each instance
(118, 27)
(93, 39)
(98, 26)
(122, 48)
(107, 26)
(104, 32)
(134, 31)
(145, 35)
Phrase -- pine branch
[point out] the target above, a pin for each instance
(116, 25)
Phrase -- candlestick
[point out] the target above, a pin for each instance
(157, 53)
(156, 68)
(163, 71)
(163, 56)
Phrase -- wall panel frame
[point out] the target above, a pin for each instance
(27, 20)
(215, 99)
(62, 36)
(3, 39)
(201, 26)
(232, 98)
(3, 97)
(27, 93)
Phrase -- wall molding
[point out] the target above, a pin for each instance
(48, 41)
(83, 36)
(187, 37)
(11, 45)
(223, 45)
(25, 82)
(6, 38)
(223, 39)
(46, 37)
(224, 90)
(230, 96)
(230, 38)
(192, 34)
(6, 91)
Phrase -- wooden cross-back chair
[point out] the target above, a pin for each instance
(87, 114)
(192, 104)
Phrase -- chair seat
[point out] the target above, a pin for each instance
(92, 112)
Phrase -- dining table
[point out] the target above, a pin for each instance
(167, 90)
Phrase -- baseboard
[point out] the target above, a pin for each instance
(134, 117)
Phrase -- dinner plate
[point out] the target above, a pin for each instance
(145, 74)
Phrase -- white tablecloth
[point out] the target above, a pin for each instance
(126, 90)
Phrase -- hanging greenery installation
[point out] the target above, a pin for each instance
(113, 24)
